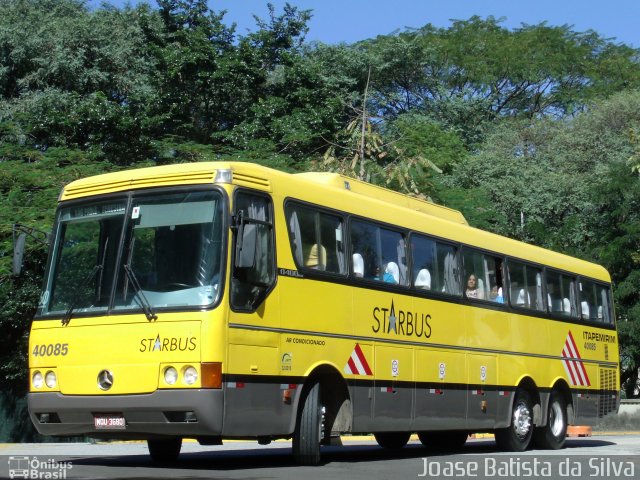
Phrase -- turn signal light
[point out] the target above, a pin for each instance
(211, 375)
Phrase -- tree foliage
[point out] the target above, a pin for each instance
(476, 71)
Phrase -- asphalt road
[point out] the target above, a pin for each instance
(604, 456)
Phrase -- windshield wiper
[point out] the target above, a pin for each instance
(142, 300)
(66, 318)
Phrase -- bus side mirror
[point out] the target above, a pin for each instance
(20, 233)
(18, 252)
(246, 245)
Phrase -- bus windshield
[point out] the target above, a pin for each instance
(169, 255)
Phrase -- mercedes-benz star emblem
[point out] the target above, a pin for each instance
(105, 380)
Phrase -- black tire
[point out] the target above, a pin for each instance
(444, 441)
(392, 440)
(553, 435)
(517, 436)
(308, 433)
(164, 450)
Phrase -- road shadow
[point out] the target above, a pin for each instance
(276, 458)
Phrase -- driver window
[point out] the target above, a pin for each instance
(250, 284)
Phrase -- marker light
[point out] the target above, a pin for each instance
(211, 375)
(190, 375)
(37, 379)
(170, 375)
(223, 176)
(50, 379)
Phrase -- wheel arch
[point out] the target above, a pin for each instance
(527, 383)
(334, 395)
(562, 387)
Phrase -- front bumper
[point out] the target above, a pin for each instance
(163, 412)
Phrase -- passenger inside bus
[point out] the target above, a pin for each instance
(423, 279)
(392, 273)
(315, 260)
(496, 294)
(358, 265)
(472, 290)
(523, 299)
(554, 301)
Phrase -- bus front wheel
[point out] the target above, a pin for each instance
(309, 429)
(392, 440)
(164, 450)
(553, 435)
(517, 436)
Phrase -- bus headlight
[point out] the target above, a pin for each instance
(190, 375)
(50, 379)
(170, 375)
(37, 381)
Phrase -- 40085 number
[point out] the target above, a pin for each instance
(50, 350)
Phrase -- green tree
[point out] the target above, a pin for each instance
(568, 185)
(394, 158)
(72, 77)
(476, 70)
(617, 229)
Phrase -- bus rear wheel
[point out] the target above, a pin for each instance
(164, 450)
(309, 429)
(553, 435)
(392, 440)
(517, 436)
(443, 440)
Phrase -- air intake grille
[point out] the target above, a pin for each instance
(608, 387)
(252, 181)
(113, 183)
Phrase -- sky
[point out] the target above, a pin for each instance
(336, 21)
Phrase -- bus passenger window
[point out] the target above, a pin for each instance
(316, 239)
(526, 286)
(382, 251)
(588, 300)
(394, 256)
(447, 276)
(517, 281)
(569, 297)
(554, 293)
(483, 276)
(422, 254)
(534, 288)
(363, 241)
(603, 296)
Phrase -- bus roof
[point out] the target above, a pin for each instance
(359, 187)
(337, 192)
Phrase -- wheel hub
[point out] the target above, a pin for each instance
(522, 420)
(556, 420)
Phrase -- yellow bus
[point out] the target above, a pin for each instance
(226, 300)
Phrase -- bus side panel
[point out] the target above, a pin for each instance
(254, 404)
(362, 401)
(586, 407)
(393, 388)
(482, 405)
(441, 397)
(253, 399)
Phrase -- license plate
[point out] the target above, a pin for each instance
(109, 422)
